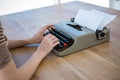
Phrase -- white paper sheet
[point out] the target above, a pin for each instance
(93, 19)
(107, 18)
(88, 19)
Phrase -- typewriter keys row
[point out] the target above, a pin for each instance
(65, 40)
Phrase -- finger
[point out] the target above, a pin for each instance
(56, 43)
(55, 40)
(52, 37)
(50, 27)
(49, 35)
(44, 28)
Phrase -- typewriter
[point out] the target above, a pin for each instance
(74, 38)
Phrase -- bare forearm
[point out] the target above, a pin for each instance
(25, 71)
(18, 43)
(29, 68)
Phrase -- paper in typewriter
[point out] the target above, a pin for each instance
(107, 18)
(93, 19)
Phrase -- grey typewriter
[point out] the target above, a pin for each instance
(74, 37)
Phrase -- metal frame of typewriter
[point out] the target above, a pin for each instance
(82, 39)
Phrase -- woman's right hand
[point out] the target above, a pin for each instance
(47, 44)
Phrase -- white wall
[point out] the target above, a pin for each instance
(12, 6)
(104, 3)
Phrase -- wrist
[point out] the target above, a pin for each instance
(29, 41)
(40, 54)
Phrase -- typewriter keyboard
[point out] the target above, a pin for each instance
(65, 40)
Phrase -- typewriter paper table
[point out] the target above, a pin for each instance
(101, 62)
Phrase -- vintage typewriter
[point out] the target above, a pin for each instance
(74, 37)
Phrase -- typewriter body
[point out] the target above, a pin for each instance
(74, 38)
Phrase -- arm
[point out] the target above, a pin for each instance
(35, 39)
(18, 43)
(24, 72)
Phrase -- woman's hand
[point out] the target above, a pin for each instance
(47, 44)
(37, 38)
